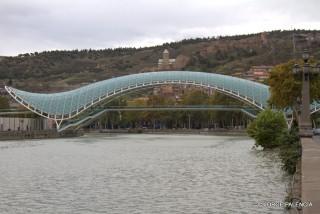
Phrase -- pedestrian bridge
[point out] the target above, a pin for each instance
(66, 105)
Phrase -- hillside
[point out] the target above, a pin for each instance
(61, 70)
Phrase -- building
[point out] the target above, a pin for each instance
(166, 63)
(173, 91)
(25, 124)
(257, 73)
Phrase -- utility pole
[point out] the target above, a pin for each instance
(305, 72)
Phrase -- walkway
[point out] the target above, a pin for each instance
(310, 169)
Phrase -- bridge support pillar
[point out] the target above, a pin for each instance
(305, 126)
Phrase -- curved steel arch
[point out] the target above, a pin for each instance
(66, 105)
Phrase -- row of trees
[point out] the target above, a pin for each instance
(174, 119)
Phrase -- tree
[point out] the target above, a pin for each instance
(4, 102)
(267, 128)
(290, 149)
(285, 88)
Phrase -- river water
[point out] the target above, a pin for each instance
(139, 174)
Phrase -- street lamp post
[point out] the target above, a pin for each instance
(305, 72)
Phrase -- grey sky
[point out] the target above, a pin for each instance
(37, 25)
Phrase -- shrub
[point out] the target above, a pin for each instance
(290, 150)
(267, 128)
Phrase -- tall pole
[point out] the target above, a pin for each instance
(305, 125)
(305, 121)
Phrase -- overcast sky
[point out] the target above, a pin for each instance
(38, 25)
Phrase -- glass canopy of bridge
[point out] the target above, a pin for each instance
(65, 105)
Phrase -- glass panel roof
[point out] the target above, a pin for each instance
(71, 101)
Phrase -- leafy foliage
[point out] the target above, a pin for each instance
(285, 87)
(267, 128)
(289, 150)
(270, 131)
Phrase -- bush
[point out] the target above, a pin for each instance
(290, 150)
(267, 128)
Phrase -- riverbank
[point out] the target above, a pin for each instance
(38, 134)
(217, 132)
(294, 193)
(48, 134)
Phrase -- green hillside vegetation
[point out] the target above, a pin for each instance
(227, 55)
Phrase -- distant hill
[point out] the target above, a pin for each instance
(60, 70)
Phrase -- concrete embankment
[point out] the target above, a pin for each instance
(37, 134)
(295, 190)
(234, 132)
(44, 134)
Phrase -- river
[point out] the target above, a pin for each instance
(139, 174)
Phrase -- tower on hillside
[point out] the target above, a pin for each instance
(166, 63)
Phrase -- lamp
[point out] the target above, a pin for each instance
(305, 56)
